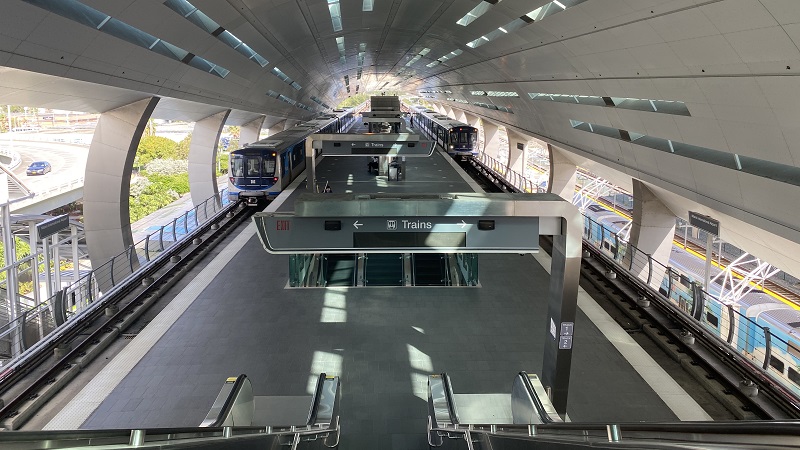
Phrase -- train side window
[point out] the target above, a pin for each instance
(794, 350)
(794, 377)
(777, 364)
(712, 319)
(685, 280)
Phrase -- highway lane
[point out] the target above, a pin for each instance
(68, 162)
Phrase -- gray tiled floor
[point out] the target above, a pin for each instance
(384, 345)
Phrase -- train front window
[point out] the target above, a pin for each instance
(269, 166)
(463, 137)
(237, 166)
(252, 163)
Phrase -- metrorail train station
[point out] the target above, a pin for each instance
(437, 224)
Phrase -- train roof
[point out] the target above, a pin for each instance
(758, 298)
(788, 320)
(443, 120)
(297, 133)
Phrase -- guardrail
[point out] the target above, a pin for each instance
(52, 191)
(21, 335)
(765, 353)
(524, 184)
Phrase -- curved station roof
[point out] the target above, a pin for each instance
(698, 99)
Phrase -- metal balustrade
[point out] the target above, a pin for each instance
(38, 321)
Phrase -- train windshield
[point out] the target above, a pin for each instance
(464, 136)
(252, 164)
(237, 166)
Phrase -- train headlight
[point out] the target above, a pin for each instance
(452, 146)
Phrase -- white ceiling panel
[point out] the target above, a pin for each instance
(733, 62)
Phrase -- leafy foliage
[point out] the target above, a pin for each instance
(167, 167)
(154, 147)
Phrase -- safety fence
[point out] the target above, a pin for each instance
(501, 170)
(35, 322)
(768, 350)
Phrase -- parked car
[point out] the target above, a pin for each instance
(38, 168)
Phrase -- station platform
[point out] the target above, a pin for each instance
(237, 315)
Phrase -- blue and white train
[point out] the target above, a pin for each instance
(761, 328)
(457, 138)
(261, 170)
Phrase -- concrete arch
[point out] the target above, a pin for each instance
(203, 157)
(106, 186)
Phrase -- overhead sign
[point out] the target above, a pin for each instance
(704, 223)
(287, 233)
(52, 226)
(377, 146)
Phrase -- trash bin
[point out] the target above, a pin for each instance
(394, 171)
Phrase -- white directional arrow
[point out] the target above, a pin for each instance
(352, 144)
(463, 224)
(356, 224)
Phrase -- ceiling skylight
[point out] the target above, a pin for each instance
(278, 73)
(638, 104)
(495, 93)
(477, 12)
(416, 58)
(84, 15)
(340, 45)
(367, 5)
(197, 17)
(444, 58)
(336, 14)
(536, 15)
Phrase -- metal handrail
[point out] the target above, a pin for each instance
(89, 287)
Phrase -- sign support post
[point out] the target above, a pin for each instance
(453, 223)
(711, 227)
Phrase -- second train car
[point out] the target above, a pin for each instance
(261, 170)
(457, 138)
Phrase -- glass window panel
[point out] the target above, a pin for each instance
(128, 33)
(181, 7)
(203, 21)
(169, 50)
(200, 63)
(73, 10)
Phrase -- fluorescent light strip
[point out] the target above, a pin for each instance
(536, 15)
(200, 19)
(367, 5)
(495, 93)
(85, 15)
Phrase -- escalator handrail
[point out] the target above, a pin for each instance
(451, 403)
(229, 401)
(312, 413)
(544, 416)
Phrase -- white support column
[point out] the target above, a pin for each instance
(460, 115)
(448, 111)
(471, 119)
(203, 158)
(517, 151)
(249, 132)
(563, 174)
(438, 108)
(277, 128)
(652, 231)
(491, 139)
(107, 181)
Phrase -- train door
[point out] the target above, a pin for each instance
(252, 171)
(285, 169)
(441, 136)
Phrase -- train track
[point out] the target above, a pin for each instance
(770, 287)
(31, 384)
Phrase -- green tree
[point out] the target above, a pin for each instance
(182, 149)
(154, 147)
(353, 100)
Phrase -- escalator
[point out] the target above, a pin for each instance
(384, 269)
(339, 269)
(430, 269)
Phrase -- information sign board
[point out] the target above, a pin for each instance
(704, 223)
(52, 226)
